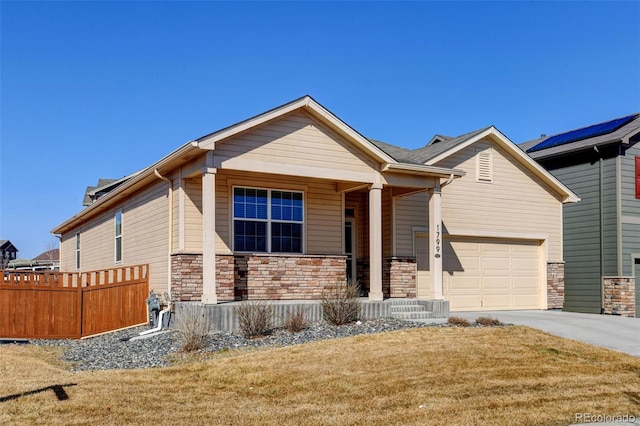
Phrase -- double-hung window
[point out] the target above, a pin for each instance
(118, 236)
(78, 250)
(267, 221)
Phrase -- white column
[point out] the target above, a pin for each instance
(375, 242)
(209, 235)
(435, 240)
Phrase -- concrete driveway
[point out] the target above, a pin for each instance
(621, 334)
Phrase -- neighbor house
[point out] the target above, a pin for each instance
(293, 200)
(601, 164)
(8, 252)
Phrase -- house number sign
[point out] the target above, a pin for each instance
(438, 242)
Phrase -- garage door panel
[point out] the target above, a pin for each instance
(526, 301)
(496, 301)
(495, 265)
(525, 264)
(524, 284)
(465, 303)
(492, 282)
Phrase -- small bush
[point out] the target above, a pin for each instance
(488, 321)
(295, 322)
(194, 328)
(255, 318)
(458, 322)
(341, 303)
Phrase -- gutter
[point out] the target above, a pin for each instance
(424, 170)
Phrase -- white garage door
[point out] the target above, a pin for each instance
(485, 273)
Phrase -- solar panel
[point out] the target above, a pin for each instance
(584, 133)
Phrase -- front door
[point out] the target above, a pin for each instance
(350, 248)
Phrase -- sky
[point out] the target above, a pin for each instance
(93, 90)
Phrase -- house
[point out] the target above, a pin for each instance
(8, 252)
(293, 200)
(601, 164)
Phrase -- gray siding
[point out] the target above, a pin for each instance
(582, 239)
(630, 211)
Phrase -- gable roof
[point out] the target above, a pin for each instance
(435, 152)
(310, 105)
(127, 185)
(49, 255)
(6, 245)
(621, 130)
(93, 193)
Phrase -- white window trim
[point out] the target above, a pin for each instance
(268, 220)
(117, 237)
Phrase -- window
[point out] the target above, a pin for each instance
(637, 174)
(78, 250)
(267, 220)
(118, 236)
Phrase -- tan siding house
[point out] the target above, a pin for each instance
(291, 201)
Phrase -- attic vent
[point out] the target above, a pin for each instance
(484, 166)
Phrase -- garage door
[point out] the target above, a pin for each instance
(484, 274)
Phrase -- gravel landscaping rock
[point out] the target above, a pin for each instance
(115, 351)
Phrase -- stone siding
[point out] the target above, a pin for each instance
(399, 277)
(257, 276)
(292, 277)
(619, 296)
(186, 277)
(555, 285)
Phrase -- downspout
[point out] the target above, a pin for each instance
(447, 182)
(170, 237)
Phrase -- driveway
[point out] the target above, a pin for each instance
(621, 334)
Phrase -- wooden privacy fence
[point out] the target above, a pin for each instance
(60, 305)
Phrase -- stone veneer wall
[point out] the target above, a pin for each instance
(186, 277)
(619, 296)
(257, 276)
(292, 277)
(555, 285)
(399, 277)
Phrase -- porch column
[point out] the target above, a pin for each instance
(209, 233)
(435, 240)
(375, 242)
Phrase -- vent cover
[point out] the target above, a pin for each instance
(484, 166)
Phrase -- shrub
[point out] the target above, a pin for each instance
(341, 303)
(255, 318)
(488, 321)
(194, 328)
(458, 322)
(295, 322)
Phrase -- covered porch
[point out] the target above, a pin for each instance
(346, 232)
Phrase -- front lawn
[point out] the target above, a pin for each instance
(439, 376)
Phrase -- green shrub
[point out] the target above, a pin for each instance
(341, 303)
(458, 322)
(295, 322)
(255, 318)
(194, 328)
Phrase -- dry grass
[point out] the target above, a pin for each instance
(497, 376)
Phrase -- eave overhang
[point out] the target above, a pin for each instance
(143, 178)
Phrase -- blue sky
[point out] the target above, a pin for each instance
(102, 89)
